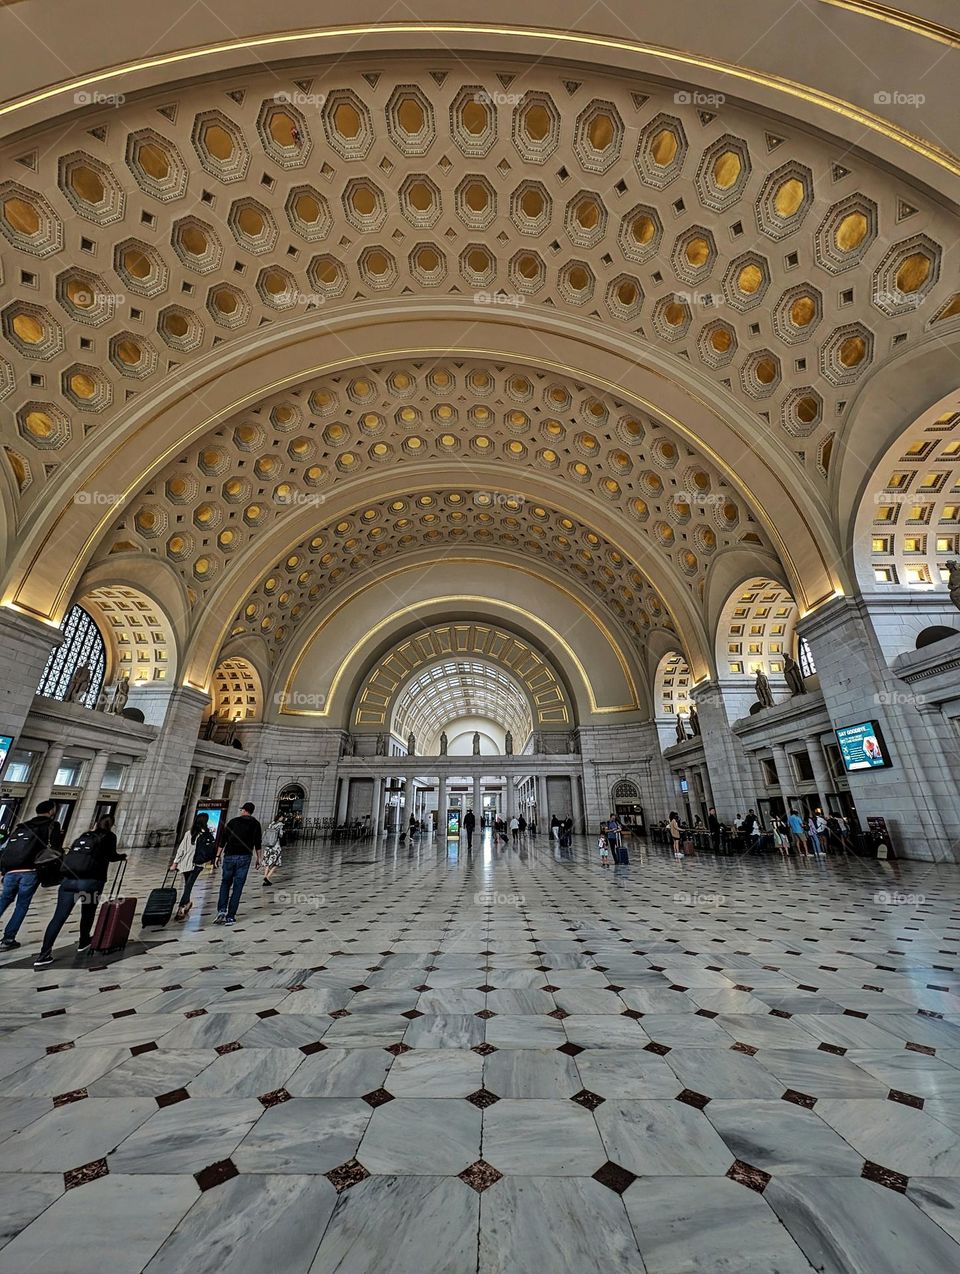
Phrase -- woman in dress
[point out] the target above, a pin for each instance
(272, 852)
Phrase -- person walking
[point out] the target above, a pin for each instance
(40, 835)
(716, 829)
(675, 833)
(241, 842)
(469, 823)
(522, 822)
(515, 829)
(196, 849)
(555, 828)
(273, 849)
(799, 840)
(85, 868)
(613, 833)
(813, 837)
(781, 840)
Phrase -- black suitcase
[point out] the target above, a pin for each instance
(160, 904)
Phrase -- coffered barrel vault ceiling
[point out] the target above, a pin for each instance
(139, 241)
(498, 425)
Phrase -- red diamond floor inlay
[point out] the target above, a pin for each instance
(480, 1176)
(88, 1172)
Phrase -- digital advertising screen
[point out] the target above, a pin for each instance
(216, 813)
(6, 743)
(862, 747)
(453, 824)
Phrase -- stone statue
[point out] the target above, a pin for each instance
(121, 692)
(762, 687)
(476, 743)
(953, 582)
(412, 745)
(508, 744)
(681, 730)
(572, 746)
(538, 743)
(381, 745)
(694, 722)
(795, 679)
(444, 742)
(79, 684)
(210, 728)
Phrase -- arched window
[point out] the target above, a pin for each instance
(805, 658)
(82, 647)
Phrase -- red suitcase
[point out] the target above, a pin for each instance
(114, 921)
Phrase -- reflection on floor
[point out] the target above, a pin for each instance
(412, 1060)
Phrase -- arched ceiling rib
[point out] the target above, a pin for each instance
(151, 233)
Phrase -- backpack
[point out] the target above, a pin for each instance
(21, 848)
(83, 861)
(204, 848)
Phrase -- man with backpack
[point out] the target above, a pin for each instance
(85, 868)
(241, 841)
(30, 846)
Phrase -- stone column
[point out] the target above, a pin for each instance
(819, 765)
(166, 767)
(477, 797)
(343, 802)
(511, 796)
(543, 814)
(918, 794)
(25, 646)
(376, 812)
(43, 786)
(442, 807)
(576, 800)
(723, 752)
(83, 816)
(788, 788)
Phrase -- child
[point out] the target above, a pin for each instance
(604, 849)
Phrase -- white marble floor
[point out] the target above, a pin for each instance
(415, 1061)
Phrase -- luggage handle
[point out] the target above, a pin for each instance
(118, 879)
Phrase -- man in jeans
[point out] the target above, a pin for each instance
(18, 859)
(241, 840)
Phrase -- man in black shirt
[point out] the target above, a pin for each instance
(18, 863)
(241, 840)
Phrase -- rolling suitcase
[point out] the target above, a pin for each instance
(160, 904)
(114, 919)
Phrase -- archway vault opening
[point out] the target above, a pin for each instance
(457, 696)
